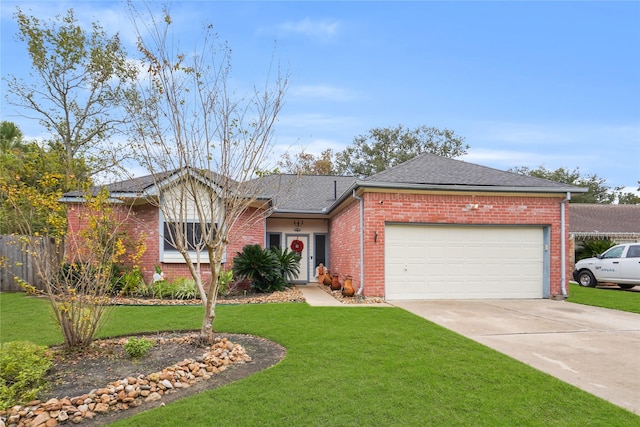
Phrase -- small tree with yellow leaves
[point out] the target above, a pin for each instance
(77, 285)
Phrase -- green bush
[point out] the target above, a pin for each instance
(23, 366)
(180, 288)
(289, 262)
(128, 283)
(137, 347)
(591, 248)
(268, 269)
(185, 288)
(224, 279)
(162, 289)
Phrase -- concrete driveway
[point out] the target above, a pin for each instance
(595, 349)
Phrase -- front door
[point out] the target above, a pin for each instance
(303, 276)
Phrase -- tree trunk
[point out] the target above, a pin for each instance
(206, 332)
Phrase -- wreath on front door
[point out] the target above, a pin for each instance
(297, 246)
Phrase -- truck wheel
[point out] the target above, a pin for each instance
(585, 278)
(626, 286)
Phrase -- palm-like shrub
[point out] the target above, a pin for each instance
(268, 269)
(289, 262)
(591, 248)
(259, 265)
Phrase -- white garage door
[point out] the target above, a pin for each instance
(463, 262)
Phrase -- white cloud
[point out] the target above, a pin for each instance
(315, 29)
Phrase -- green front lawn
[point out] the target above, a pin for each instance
(346, 366)
(614, 298)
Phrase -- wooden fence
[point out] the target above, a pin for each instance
(15, 261)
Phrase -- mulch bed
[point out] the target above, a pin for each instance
(105, 361)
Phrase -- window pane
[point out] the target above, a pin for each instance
(634, 251)
(614, 253)
(191, 230)
(274, 240)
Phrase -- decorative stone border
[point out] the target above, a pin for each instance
(128, 392)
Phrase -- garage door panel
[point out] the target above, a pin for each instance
(463, 262)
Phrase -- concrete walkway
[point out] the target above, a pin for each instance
(318, 297)
(593, 348)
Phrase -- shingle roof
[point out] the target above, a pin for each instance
(305, 192)
(133, 185)
(138, 184)
(595, 219)
(318, 193)
(436, 170)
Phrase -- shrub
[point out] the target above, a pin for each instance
(128, 283)
(267, 269)
(289, 262)
(224, 280)
(185, 288)
(591, 248)
(76, 274)
(160, 290)
(23, 366)
(137, 347)
(258, 265)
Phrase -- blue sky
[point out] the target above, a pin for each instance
(526, 83)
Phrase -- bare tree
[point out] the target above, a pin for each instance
(203, 145)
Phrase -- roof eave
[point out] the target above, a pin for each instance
(458, 187)
(451, 187)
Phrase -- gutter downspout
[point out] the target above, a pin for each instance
(359, 293)
(563, 244)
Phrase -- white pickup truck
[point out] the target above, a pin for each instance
(619, 264)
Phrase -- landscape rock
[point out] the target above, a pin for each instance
(127, 392)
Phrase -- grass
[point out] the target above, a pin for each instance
(614, 298)
(351, 367)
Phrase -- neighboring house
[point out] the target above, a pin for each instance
(430, 228)
(619, 223)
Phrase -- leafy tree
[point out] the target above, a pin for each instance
(76, 284)
(24, 176)
(628, 198)
(187, 123)
(80, 82)
(383, 148)
(81, 78)
(598, 192)
(10, 138)
(308, 164)
(28, 170)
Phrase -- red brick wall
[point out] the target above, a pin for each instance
(77, 220)
(143, 220)
(344, 244)
(437, 208)
(248, 230)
